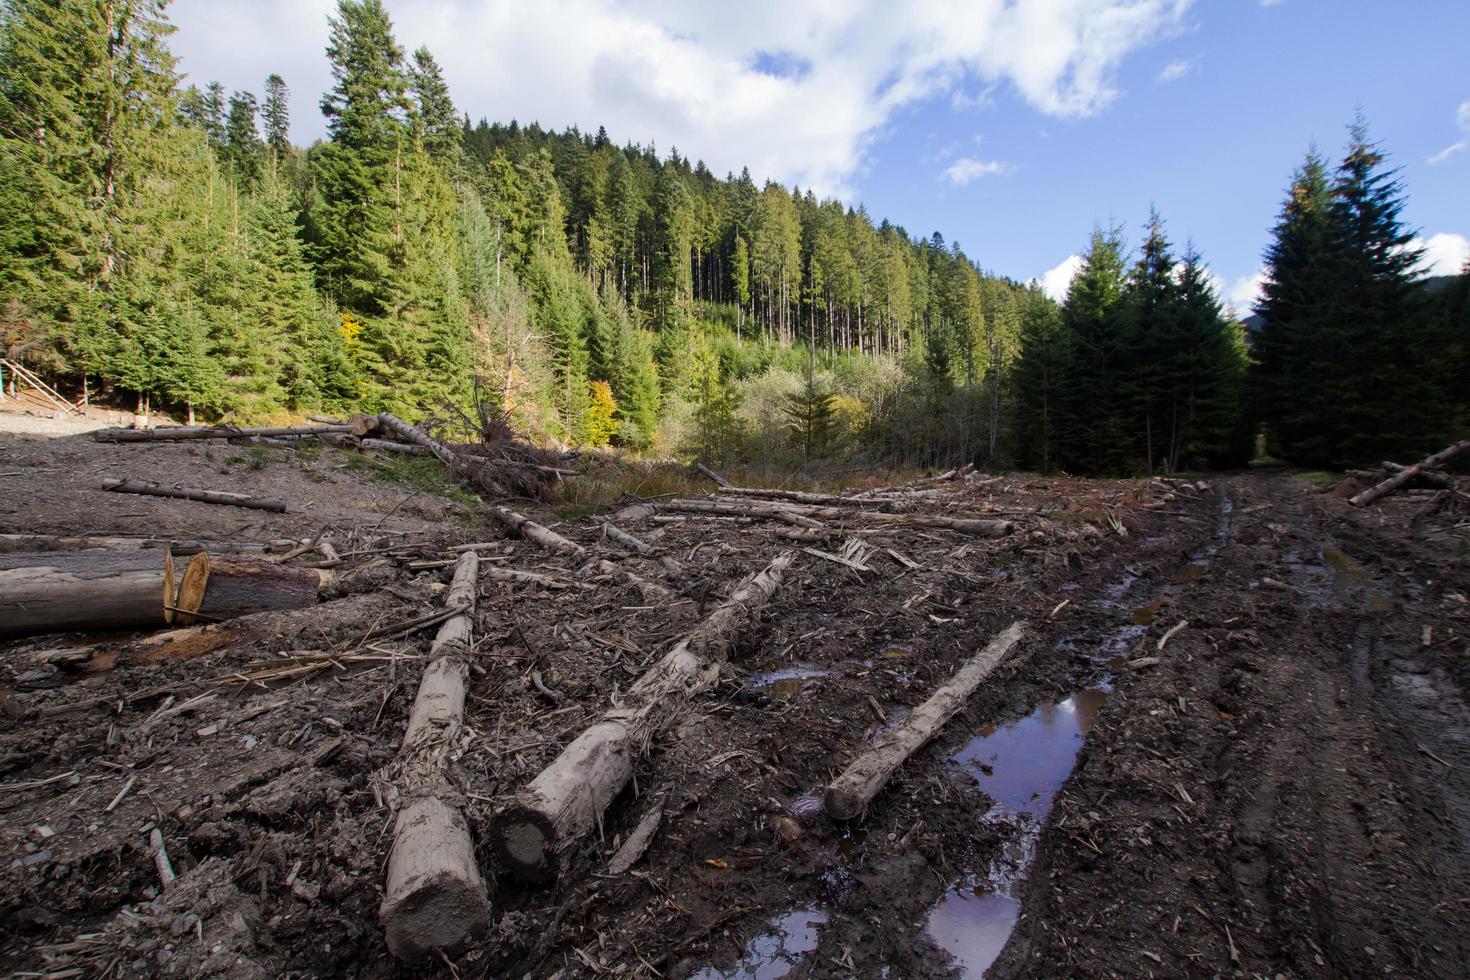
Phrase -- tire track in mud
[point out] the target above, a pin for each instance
(1260, 800)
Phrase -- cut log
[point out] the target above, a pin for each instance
(194, 493)
(800, 496)
(787, 511)
(850, 793)
(712, 475)
(545, 538)
(417, 436)
(638, 546)
(765, 510)
(362, 425)
(176, 433)
(58, 542)
(58, 591)
(386, 446)
(1432, 477)
(498, 574)
(237, 585)
(435, 897)
(1408, 473)
(567, 798)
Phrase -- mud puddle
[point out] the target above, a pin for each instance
(775, 953)
(1021, 766)
(788, 682)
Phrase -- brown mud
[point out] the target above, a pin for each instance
(1279, 790)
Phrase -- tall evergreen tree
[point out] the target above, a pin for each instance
(1040, 380)
(276, 113)
(1091, 422)
(243, 150)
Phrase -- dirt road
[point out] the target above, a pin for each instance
(1280, 789)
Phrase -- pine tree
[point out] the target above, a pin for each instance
(811, 417)
(1149, 341)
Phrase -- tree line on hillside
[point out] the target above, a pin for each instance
(173, 244)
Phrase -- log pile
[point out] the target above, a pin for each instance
(1401, 476)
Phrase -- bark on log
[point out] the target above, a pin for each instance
(651, 591)
(435, 897)
(194, 493)
(850, 793)
(1408, 473)
(498, 574)
(237, 585)
(1432, 477)
(712, 475)
(417, 436)
(58, 542)
(178, 433)
(545, 538)
(387, 446)
(567, 798)
(799, 496)
(786, 511)
(638, 546)
(58, 591)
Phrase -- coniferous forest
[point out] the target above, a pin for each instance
(168, 245)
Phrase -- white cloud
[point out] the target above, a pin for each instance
(1176, 70)
(1054, 281)
(1246, 292)
(966, 169)
(711, 79)
(1444, 254)
(1462, 119)
(1271, 3)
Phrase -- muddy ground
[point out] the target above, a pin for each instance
(1280, 790)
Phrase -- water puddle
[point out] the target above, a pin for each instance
(774, 954)
(1144, 615)
(1355, 585)
(1020, 766)
(788, 682)
(1191, 572)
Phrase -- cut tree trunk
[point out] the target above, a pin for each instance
(58, 591)
(1408, 473)
(850, 793)
(799, 496)
(417, 436)
(177, 433)
(1432, 477)
(567, 798)
(236, 585)
(786, 511)
(712, 475)
(638, 546)
(387, 446)
(194, 493)
(435, 897)
(545, 538)
(58, 542)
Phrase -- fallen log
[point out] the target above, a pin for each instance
(177, 433)
(798, 496)
(435, 897)
(651, 591)
(388, 446)
(498, 574)
(545, 538)
(218, 587)
(567, 798)
(194, 493)
(638, 546)
(58, 591)
(59, 542)
(713, 476)
(1432, 477)
(850, 793)
(1408, 473)
(786, 511)
(417, 436)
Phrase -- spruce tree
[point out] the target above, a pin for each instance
(243, 150)
(437, 120)
(1040, 379)
(276, 114)
(1091, 419)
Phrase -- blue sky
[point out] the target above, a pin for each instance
(1012, 127)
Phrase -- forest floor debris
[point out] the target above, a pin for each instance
(1279, 788)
